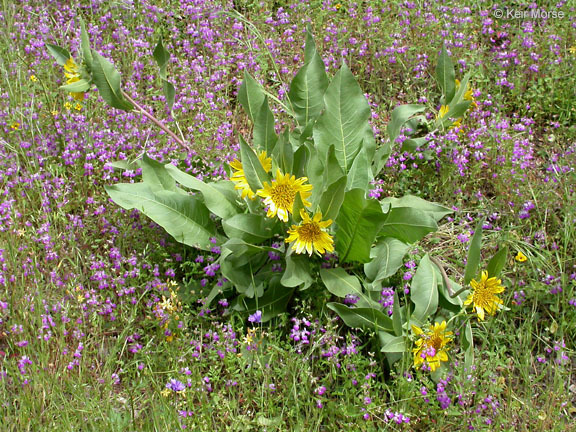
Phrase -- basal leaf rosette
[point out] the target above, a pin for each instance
(483, 296)
(430, 348)
(239, 176)
(309, 235)
(280, 194)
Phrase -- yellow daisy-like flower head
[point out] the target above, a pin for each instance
(72, 72)
(240, 179)
(520, 257)
(280, 195)
(309, 234)
(483, 296)
(431, 346)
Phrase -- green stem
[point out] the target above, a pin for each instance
(154, 120)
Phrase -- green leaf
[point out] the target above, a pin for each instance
(333, 170)
(264, 135)
(343, 122)
(341, 284)
(459, 96)
(381, 157)
(315, 171)
(296, 207)
(424, 290)
(387, 257)
(358, 222)
(366, 318)
(79, 86)
(410, 145)
(393, 344)
(169, 93)
(85, 45)
(437, 211)
(239, 270)
(107, 79)
(455, 112)
(467, 342)
(473, 258)
(219, 203)
(360, 174)
(183, 217)
(252, 228)
(297, 272)
(272, 303)
(284, 153)
(332, 199)
(240, 247)
(251, 96)
(253, 169)
(301, 158)
(60, 54)
(156, 176)
(162, 58)
(400, 115)
(497, 263)
(445, 75)
(407, 224)
(307, 89)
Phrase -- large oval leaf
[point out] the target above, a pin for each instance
(367, 318)
(358, 223)
(343, 122)
(184, 217)
(307, 89)
(424, 290)
(387, 257)
(217, 202)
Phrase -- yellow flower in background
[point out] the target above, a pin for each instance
(443, 111)
(310, 236)
(430, 347)
(520, 257)
(72, 72)
(280, 195)
(33, 78)
(468, 95)
(15, 126)
(240, 179)
(572, 50)
(483, 296)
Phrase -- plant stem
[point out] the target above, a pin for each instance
(154, 120)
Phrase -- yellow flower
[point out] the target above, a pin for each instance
(520, 257)
(309, 235)
(431, 345)
(72, 72)
(280, 195)
(572, 50)
(240, 179)
(468, 95)
(166, 392)
(483, 296)
(33, 78)
(443, 111)
(15, 126)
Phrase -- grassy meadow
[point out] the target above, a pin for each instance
(104, 324)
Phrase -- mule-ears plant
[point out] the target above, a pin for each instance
(295, 196)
